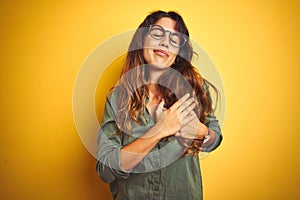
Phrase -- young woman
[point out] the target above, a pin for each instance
(158, 117)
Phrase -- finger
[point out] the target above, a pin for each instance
(178, 133)
(180, 101)
(161, 104)
(186, 104)
(188, 119)
(192, 114)
(188, 110)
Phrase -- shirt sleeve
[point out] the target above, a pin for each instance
(109, 145)
(213, 124)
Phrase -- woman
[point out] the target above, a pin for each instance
(158, 117)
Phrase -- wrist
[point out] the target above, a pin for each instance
(158, 132)
(202, 131)
(207, 136)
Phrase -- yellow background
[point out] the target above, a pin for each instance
(254, 44)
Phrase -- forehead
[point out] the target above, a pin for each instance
(167, 23)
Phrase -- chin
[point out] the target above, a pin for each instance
(159, 66)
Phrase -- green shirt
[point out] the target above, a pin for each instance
(163, 174)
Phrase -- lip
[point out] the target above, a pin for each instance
(161, 52)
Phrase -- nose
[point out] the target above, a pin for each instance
(165, 42)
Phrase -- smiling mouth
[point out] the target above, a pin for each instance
(161, 52)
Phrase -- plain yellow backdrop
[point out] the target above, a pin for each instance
(254, 44)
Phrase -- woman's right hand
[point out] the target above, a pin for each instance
(169, 121)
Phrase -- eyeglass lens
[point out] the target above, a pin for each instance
(157, 32)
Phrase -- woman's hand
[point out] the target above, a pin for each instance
(193, 130)
(169, 121)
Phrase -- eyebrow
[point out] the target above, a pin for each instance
(175, 30)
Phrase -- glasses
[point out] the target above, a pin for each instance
(176, 39)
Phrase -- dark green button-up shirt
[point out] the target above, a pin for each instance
(163, 174)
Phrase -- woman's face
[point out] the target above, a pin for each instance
(160, 52)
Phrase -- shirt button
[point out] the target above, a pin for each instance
(156, 180)
(155, 188)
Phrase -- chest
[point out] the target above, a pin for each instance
(151, 106)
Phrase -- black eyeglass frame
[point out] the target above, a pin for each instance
(171, 33)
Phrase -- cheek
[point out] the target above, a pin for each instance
(172, 58)
(150, 43)
(146, 53)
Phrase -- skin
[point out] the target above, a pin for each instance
(160, 54)
(179, 119)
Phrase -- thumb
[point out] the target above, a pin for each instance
(160, 106)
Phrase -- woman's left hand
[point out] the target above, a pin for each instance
(193, 130)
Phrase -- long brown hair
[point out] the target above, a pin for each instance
(133, 80)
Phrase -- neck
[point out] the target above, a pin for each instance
(153, 91)
(152, 86)
(154, 74)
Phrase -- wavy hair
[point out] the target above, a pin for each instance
(133, 80)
